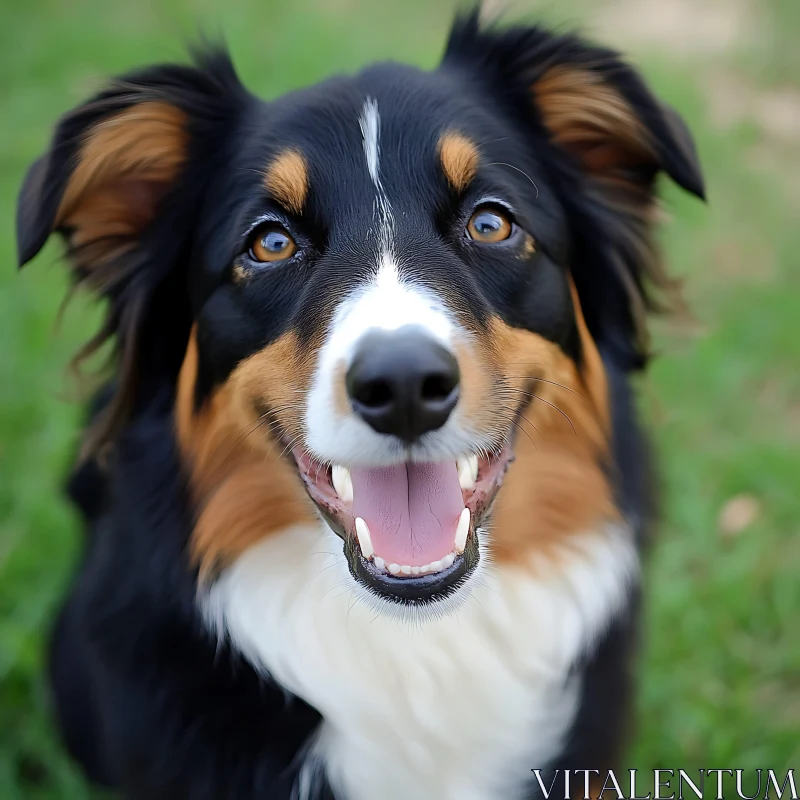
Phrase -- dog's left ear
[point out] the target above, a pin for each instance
(114, 159)
(121, 184)
(608, 139)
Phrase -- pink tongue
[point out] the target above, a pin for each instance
(411, 509)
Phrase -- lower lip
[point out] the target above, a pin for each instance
(417, 590)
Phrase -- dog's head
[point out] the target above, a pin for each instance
(382, 290)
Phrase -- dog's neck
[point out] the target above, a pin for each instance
(455, 705)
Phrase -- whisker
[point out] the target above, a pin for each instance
(344, 582)
(534, 396)
(519, 427)
(324, 569)
(504, 164)
(544, 380)
(563, 414)
(523, 417)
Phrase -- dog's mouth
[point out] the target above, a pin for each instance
(410, 529)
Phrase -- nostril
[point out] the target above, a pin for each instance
(438, 386)
(403, 383)
(374, 394)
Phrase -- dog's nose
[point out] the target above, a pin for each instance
(403, 382)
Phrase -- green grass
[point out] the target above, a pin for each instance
(720, 673)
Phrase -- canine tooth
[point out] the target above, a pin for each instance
(415, 570)
(436, 566)
(364, 539)
(379, 562)
(342, 483)
(467, 471)
(448, 560)
(462, 531)
(393, 568)
(424, 569)
(405, 569)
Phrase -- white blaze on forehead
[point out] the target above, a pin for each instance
(370, 122)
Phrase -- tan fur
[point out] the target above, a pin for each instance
(478, 385)
(556, 486)
(341, 400)
(244, 488)
(122, 170)
(528, 247)
(256, 500)
(286, 179)
(460, 158)
(239, 274)
(594, 123)
(126, 163)
(591, 120)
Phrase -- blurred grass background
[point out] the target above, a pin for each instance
(720, 673)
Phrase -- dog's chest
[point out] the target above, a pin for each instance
(459, 707)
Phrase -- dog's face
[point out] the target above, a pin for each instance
(381, 291)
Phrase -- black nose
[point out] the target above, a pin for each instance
(403, 382)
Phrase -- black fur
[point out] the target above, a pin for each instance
(147, 700)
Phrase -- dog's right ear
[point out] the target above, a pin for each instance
(605, 137)
(121, 183)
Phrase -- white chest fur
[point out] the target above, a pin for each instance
(459, 707)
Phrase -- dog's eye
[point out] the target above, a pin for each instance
(489, 224)
(272, 243)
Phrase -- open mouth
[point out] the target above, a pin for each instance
(410, 529)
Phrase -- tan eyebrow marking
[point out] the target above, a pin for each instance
(286, 179)
(460, 157)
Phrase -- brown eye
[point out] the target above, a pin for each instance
(489, 225)
(273, 244)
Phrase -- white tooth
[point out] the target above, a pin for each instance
(379, 562)
(406, 570)
(448, 560)
(364, 539)
(424, 569)
(393, 568)
(415, 570)
(467, 471)
(462, 531)
(436, 566)
(342, 482)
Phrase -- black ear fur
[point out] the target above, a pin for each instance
(36, 207)
(681, 153)
(615, 262)
(136, 267)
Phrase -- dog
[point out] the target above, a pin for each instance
(366, 497)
